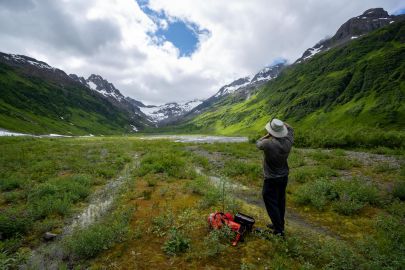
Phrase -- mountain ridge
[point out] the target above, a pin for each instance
(37, 98)
(357, 85)
(371, 19)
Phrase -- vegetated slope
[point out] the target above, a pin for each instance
(353, 95)
(36, 98)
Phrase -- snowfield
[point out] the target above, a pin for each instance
(162, 112)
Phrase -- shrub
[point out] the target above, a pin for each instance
(383, 167)
(13, 222)
(349, 196)
(11, 183)
(57, 195)
(385, 250)
(316, 193)
(305, 174)
(398, 190)
(162, 223)
(176, 243)
(48, 205)
(320, 155)
(14, 261)
(199, 185)
(88, 242)
(211, 197)
(397, 208)
(217, 241)
(359, 191)
(13, 196)
(248, 171)
(170, 163)
(295, 160)
(347, 206)
(339, 163)
(338, 152)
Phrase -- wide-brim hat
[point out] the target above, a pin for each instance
(276, 128)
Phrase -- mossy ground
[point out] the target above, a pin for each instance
(165, 204)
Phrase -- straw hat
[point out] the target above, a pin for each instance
(276, 128)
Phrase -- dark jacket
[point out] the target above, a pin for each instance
(276, 151)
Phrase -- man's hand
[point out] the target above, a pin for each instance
(265, 137)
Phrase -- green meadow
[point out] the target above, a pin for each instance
(345, 209)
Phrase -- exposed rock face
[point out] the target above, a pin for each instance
(104, 87)
(369, 21)
(33, 67)
(108, 90)
(240, 89)
(78, 79)
(168, 112)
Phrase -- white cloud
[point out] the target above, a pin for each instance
(110, 38)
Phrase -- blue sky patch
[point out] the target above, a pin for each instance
(183, 35)
(400, 11)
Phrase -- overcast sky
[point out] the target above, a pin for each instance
(159, 51)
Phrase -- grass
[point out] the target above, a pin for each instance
(306, 174)
(346, 197)
(159, 218)
(176, 243)
(399, 190)
(88, 242)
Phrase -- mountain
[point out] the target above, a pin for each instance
(112, 94)
(350, 95)
(37, 98)
(369, 21)
(169, 112)
(150, 115)
(238, 90)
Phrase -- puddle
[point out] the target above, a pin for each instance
(196, 138)
(51, 255)
(219, 182)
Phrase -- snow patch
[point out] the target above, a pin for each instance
(93, 86)
(38, 64)
(162, 112)
(104, 92)
(313, 51)
(134, 128)
(232, 88)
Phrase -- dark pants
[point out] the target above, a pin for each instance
(274, 198)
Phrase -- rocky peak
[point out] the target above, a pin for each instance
(78, 79)
(233, 86)
(375, 13)
(268, 73)
(355, 27)
(104, 87)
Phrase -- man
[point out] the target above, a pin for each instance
(276, 146)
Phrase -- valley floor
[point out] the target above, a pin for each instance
(131, 203)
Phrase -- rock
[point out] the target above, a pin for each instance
(48, 236)
(355, 27)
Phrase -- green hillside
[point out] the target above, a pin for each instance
(348, 96)
(32, 104)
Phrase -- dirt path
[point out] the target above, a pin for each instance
(50, 255)
(365, 158)
(252, 196)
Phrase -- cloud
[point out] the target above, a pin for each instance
(119, 41)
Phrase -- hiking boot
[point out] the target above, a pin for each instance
(280, 234)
